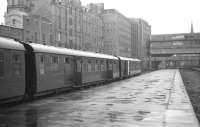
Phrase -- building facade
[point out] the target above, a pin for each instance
(116, 33)
(140, 40)
(63, 23)
(175, 50)
(16, 9)
(92, 29)
(66, 23)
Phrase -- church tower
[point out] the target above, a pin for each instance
(192, 29)
(16, 9)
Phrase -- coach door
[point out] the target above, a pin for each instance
(69, 70)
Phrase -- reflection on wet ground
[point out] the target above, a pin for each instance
(157, 99)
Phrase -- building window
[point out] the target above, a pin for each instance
(70, 43)
(70, 10)
(43, 37)
(59, 36)
(27, 36)
(14, 22)
(51, 38)
(70, 21)
(1, 64)
(55, 60)
(36, 37)
(71, 32)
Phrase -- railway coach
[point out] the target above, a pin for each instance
(28, 70)
(60, 68)
(12, 70)
(129, 67)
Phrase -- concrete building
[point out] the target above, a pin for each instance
(175, 50)
(116, 33)
(140, 40)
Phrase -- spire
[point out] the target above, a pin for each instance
(192, 30)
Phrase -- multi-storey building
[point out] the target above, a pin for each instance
(66, 20)
(92, 29)
(116, 33)
(175, 50)
(64, 23)
(140, 40)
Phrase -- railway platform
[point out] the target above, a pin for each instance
(156, 99)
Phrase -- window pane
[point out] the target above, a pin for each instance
(96, 66)
(16, 60)
(78, 65)
(55, 60)
(42, 59)
(67, 60)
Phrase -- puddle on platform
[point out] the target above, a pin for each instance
(141, 115)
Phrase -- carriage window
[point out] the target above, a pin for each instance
(93, 66)
(99, 66)
(66, 60)
(78, 62)
(41, 65)
(110, 65)
(89, 66)
(55, 60)
(1, 64)
(85, 67)
(16, 61)
(96, 66)
(42, 59)
(102, 66)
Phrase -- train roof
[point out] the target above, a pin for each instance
(7, 43)
(129, 59)
(64, 51)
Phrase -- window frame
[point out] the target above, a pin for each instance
(16, 63)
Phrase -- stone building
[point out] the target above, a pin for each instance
(63, 23)
(92, 29)
(16, 9)
(66, 23)
(140, 40)
(116, 33)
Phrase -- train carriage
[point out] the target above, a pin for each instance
(28, 69)
(129, 67)
(59, 68)
(12, 70)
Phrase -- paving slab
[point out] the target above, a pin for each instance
(156, 99)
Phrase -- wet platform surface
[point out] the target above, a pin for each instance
(156, 99)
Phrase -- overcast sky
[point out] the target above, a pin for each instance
(165, 16)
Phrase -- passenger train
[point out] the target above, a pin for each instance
(29, 70)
